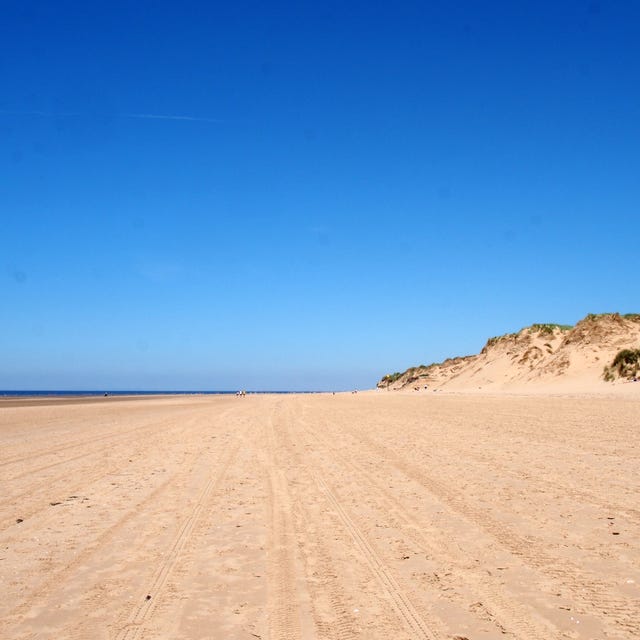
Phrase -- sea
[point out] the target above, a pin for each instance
(65, 393)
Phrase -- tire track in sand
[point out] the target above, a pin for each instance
(142, 612)
(284, 598)
(40, 494)
(508, 616)
(118, 438)
(326, 591)
(39, 595)
(589, 590)
(401, 603)
(564, 489)
(120, 435)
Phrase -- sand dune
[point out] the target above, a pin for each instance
(369, 516)
(543, 357)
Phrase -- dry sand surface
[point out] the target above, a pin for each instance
(374, 515)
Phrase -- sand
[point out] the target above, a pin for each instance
(376, 515)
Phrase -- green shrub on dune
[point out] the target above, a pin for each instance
(624, 365)
(390, 378)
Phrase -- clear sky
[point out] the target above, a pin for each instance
(307, 195)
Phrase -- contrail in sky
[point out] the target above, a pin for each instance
(42, 114)
(155, 116)
(138, 116)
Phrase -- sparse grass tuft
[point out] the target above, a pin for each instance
(548, 328)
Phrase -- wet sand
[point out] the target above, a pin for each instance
(375, 515)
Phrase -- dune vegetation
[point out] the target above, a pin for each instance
(624, 365)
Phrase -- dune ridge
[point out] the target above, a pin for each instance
(539, 356)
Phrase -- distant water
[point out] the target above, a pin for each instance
(100, 392)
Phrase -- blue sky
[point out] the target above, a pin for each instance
(295, 196)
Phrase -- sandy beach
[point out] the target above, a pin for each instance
(376, 515)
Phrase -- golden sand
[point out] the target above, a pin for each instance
(376, 515)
